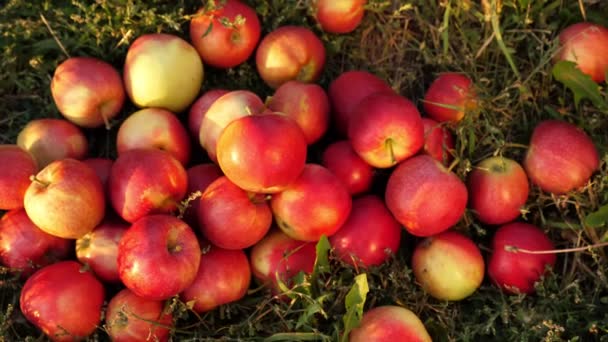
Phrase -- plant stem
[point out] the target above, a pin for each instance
(515, 249)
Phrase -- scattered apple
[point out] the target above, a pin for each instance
(585, 44)
(199, 109)
(450, 97)
(438, 141)
(199, 178)
(389, 323)
(340, 158)
(15, 180)
(339, 16)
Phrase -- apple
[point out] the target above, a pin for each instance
(450, 97)
(146, 181)
(340, 158)
(290, 53)
(130, 318)
(164, 71)
(498, 189)
(154, 128)
(262, 153)
(424, 196)
(561, 157)
(87, 91)
(48, 140)
(448, 266)
(316, 204)
(66, 199)
(369, 236)
(14, 180)
(102, 167)
(386, 129)
(225, 34)
(339, 16)
(158, 257)
(199, 178)
(585, 44)
(199, 109)
(389, 323)
(64, 300)
(223, 277)
(438, 141)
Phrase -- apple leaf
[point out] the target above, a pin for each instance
(322, 261)
(579, 83)
(355, 300)
(598, 218)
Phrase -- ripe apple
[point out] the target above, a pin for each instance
(225, 34)
(154, 128)
(339, 16)
(386, 129)
(199, 178)
(87, 91)
(585, 44)
(48, 140)
(102, 167)
(561, 157)
(498, 189)
(340, 158)
(513, 271)
(162, 70)
(290, 53)
(438, 141)
(449, 97)
(262, 153)
(15, 180)
(146, 181)
(158, 257)
(64, 300)
(370, 234)
(425, 197)
(66, 199)
(199, 109)
(389, 323)
(448, 266)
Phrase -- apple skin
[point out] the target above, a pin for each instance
(225, 46)
(425, 197)
(498, 189)
(339, 16)
(146, 181)
(66, 199)
(87, 91)
(389, 323)
(316, 204)
(438, 141)
(307, 104)
(15, 180)
(369, 236)
(200, 107)
(262, 153)
(450, 90)
(158, 257)
(561, 157)
(129, 318)
(223, 277)
(102, 167)
(585, 44)
(164, 71)
(49, 298)
(290, 53)
(48, 140)
(340, 158)
(199, 178)
(386, 129)
(448, 266)
(25, 248)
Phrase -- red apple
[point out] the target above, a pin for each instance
(585, 44)
(87, 91)
(64, 300)
(290, 53)
(438, 141)
(561, 157)
(225, 34)
(450, 97)
(390, 323)
(345, 163)
(425, 197)
(517, 272)
(498, 189)
(158, 257)
(102, 167)
(199, 109)
(199, 178)
(14, 180)
(339, 16)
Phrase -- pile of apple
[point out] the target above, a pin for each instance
(163, 228)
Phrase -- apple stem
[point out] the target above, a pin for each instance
(516, 145)
(38, 181)
(453, 165)
(106, 121)
(515, 249)
(389, 145)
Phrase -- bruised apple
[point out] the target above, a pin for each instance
(450, 97)
(340, 158)
(342, 16)
(390, 323)
(585, 44)
(15, 180)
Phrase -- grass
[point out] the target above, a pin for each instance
(505, 46)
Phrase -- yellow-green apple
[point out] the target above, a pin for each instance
(162, 70)
(390, 323)
(154, 128)
(146, 181)
(15, 177)
(498, 189)
(385, 129)
(424, 196)
(199, 108)
(262, 153)
(199, 178)
(64, 300)
(341, 16)
(158, 257)
(87, 91)
(225, 33)
(517, 272)
(316, 204)
(66, 199)
(369, 236)
(290, 53)
(585, 44)
(448, 266)
(438, 141)
(450, 97)
(561, 157)
(340, 158)
(48, 140)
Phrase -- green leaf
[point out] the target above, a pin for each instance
(579, 83)
(322, 260)
(355, 300)
(295, 336)
(598, 218)
(316, 307)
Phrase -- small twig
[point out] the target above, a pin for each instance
(65, 52)
(515, 249)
